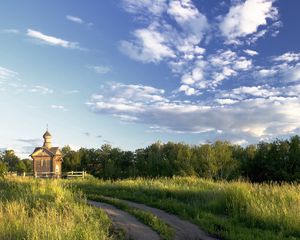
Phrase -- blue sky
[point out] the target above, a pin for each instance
(131, 72)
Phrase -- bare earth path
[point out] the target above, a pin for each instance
(133, 228)
(184, 230)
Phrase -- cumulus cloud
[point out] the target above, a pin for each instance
(50, 40)
(244, 18)
(254, 117)
(225, 101)
(188, 17)
(187, 90)
(178, 44)
(267, 72)
(150, 46)
(284, 68)
(288, 57)
(227, 85)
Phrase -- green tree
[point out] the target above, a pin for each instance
(3, 169)
(225, 162)
(10, 159)
(205, 161)
(71, 159)
(21, 167)
(28, 164)
(294, 158)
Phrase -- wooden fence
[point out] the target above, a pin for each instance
(71, 174)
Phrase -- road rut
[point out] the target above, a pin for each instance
(184, 230)
(132, 227)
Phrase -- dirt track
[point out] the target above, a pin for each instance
(133, 228)
(184, 230)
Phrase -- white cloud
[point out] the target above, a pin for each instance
(78, 20)
(284, 68)
(6, 73)
(188, 17)
(251, 52)
(225, 101)
(74, 19)
(175, 32)
(50, 40)
(187, 90)
(9, 80)
(58, 107)
(10, 31)
(71, 91)
(243, 64)
(176, 43)
(288, 57)
(155, 7)
(150, 46)
(100, 69)
(244, 18)
(267, 72)
(240, 142)
(248, 118)
(295, 73)
(40, 89)
(245, 92)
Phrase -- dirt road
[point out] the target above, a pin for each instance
(133, 228)
(184, 230)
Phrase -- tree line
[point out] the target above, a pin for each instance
(275, 161)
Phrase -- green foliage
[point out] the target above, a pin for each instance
(232, 210)
(21, 167)
(28, 165)
(46, 209)
(275, 161)
(71, 159)
(9, 157)
(3, 169)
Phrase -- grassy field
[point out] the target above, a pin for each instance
(46, 209)
(231, 210)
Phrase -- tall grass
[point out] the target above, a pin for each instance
(232, 210)
(46, 209)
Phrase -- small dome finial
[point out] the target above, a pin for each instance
(47, 139)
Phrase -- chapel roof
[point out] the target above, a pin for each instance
(52, 151)
(47, 134)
